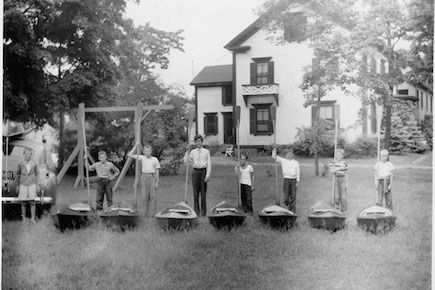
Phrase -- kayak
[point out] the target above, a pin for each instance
(277, 217)
(326, 217)
(376, 219)
(226, 216)
(177, 217)
(122, 216)
(75, 216)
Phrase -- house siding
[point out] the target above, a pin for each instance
(210, 101)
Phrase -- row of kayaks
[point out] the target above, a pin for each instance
(180, 216)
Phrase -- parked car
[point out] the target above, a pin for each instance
(46, 190)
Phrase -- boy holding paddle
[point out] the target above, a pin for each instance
(384, 180)
(339, 168)
(246, 174)
(291, 173)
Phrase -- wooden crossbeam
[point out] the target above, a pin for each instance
(67, 164)
(130, 108)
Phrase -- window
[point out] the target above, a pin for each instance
(326, 111)
(260, 121)
(296, 27)
(210, 124)
(227, 95)
(402, 92)
(373, 118)
(262, 71)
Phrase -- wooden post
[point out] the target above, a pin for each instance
(190, 116)
(80, 136)
(137, 137)
(128, 161)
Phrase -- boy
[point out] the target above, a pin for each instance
(339, 168)
(27, 173)
(149, 178)
(291, 173)
(246, 183)
(201, 162)
(106, 172)
(384, 180)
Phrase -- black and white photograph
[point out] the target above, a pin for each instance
(204, 144)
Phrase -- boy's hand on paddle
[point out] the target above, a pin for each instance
(252, 188)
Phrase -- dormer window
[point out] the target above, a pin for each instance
(262, 71)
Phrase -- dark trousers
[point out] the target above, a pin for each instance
(104, 188)
(290, 194)
(384, 193)
(199, 190)
(246, 197)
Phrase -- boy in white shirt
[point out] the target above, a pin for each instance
(291, 173)
(149, 178)
(384, 180)
(246, 183)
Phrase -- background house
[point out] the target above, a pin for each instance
(263, 74)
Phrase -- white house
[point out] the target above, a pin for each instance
(263, 74)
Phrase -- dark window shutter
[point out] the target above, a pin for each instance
(223, 96)
(215, 124)
(205, 124)
(337, 115)
(270, 132)
(252, 121)
(314, 113)
(253, 73)
(270, 71)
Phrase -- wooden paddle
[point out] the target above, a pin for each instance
(333, 176)
(190, 116)
(273, 116)
(7, 157)
(86, 156)
(237, 115)
(379, 113)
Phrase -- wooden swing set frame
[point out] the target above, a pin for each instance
(141, 112)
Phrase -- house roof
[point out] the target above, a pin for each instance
(245, 34)
(216, 74)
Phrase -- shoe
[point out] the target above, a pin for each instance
(33, 221)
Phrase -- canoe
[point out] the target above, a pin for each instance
(376, 219)
(277, 217)
(226, 216)
(11, 207)
(323, 216)
(124, 217)
(75, 216)
(176, 217)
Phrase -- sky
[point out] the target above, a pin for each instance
(208, 25)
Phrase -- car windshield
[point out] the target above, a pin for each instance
(15, 150)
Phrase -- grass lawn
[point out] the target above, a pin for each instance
(253, 256)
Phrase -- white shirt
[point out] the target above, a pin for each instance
(200, 158)
(149, 165)
(290, 168)
(245, 174)
(384, 169)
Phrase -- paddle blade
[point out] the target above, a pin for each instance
(237, 113)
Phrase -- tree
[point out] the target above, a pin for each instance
(377, 28)
(25, 91)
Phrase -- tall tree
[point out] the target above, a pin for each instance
(344, 30)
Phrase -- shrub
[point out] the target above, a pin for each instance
(213, 147)
(427, 129)
(363, 146)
